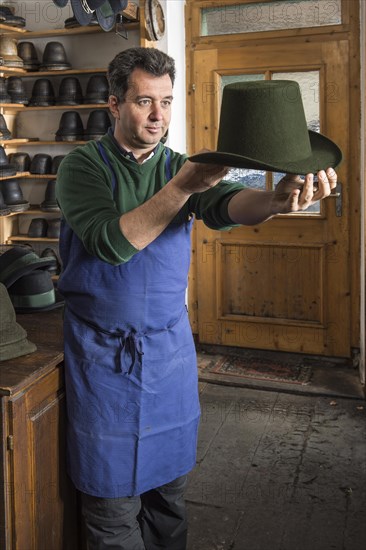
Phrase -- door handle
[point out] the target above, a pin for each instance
(337, 194)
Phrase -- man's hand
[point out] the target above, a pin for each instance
(196, 177)
(293, 194)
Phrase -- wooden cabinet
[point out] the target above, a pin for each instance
(38, 505)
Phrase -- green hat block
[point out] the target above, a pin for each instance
(13, 337)
(263, 127)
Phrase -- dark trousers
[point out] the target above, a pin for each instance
(155, 520)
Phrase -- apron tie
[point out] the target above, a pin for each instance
(131, 345)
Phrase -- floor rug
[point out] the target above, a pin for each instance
(258, 366)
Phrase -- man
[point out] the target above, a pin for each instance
(131, 378)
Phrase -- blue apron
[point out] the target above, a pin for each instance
(130, 364)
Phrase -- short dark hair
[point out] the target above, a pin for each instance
(151, 60)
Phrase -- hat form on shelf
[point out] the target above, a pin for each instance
(13, 337)
(97, 124)
(6, 167)
(263, 127)
(49, 252)
(41, 163)
(16, 90)
(70, 127)
(43, 94)
(49, 204)
(13, 196)
(54, 57)
(27, 52)
(5, 133)
(53, 230)
(4, 94)
(70, 92)
(8, 18)
(4, 209)
(38, 228)
(9, 52)
(19, 261)
(56, 161)
(20, 161)
(97, 89)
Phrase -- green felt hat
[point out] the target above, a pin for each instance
(263, 127)
(13, 337)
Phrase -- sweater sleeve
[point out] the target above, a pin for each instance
(84, 193)
(212, 206)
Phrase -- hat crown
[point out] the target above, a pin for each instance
(54, 53)
(4, 95)
(98, 122)
(21, 161)
(71, 122)
(41, 164)
(28, 53)
(8, 46)
(264, 116)
(15, 85)
(43, 87)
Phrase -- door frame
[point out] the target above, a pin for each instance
(349, 30)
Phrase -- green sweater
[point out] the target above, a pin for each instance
(84, 193)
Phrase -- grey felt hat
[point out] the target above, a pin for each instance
(13, 337)
(263, 127)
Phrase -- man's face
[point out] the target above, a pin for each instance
(143, 118)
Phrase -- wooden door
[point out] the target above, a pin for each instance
(284, 284)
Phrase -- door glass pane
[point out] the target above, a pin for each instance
(270, 16)
(309, 88)
(249, 178)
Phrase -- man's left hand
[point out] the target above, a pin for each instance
(293, 194)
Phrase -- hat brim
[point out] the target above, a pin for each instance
(82, 17)
(106, 17)
(325, 154)
(18, 269)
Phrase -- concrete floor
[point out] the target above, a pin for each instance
(278, 471)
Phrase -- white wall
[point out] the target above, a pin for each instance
(173, 44)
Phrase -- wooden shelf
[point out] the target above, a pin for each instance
(19, 141)
(17, 175)
(12, 71)
(27, 142)
(9, 30)
(13, 107)
(64, 72)
(36, 210)
(21, 238)
(50, 33)
(29, 176)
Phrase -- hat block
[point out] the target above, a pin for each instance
(13, 337)
(20, 161)
(54, 57)
(28, 53)
(13, 195)
(4, 209)
(6, 168)
(263, 127)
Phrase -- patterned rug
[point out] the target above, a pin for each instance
(258, 365)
